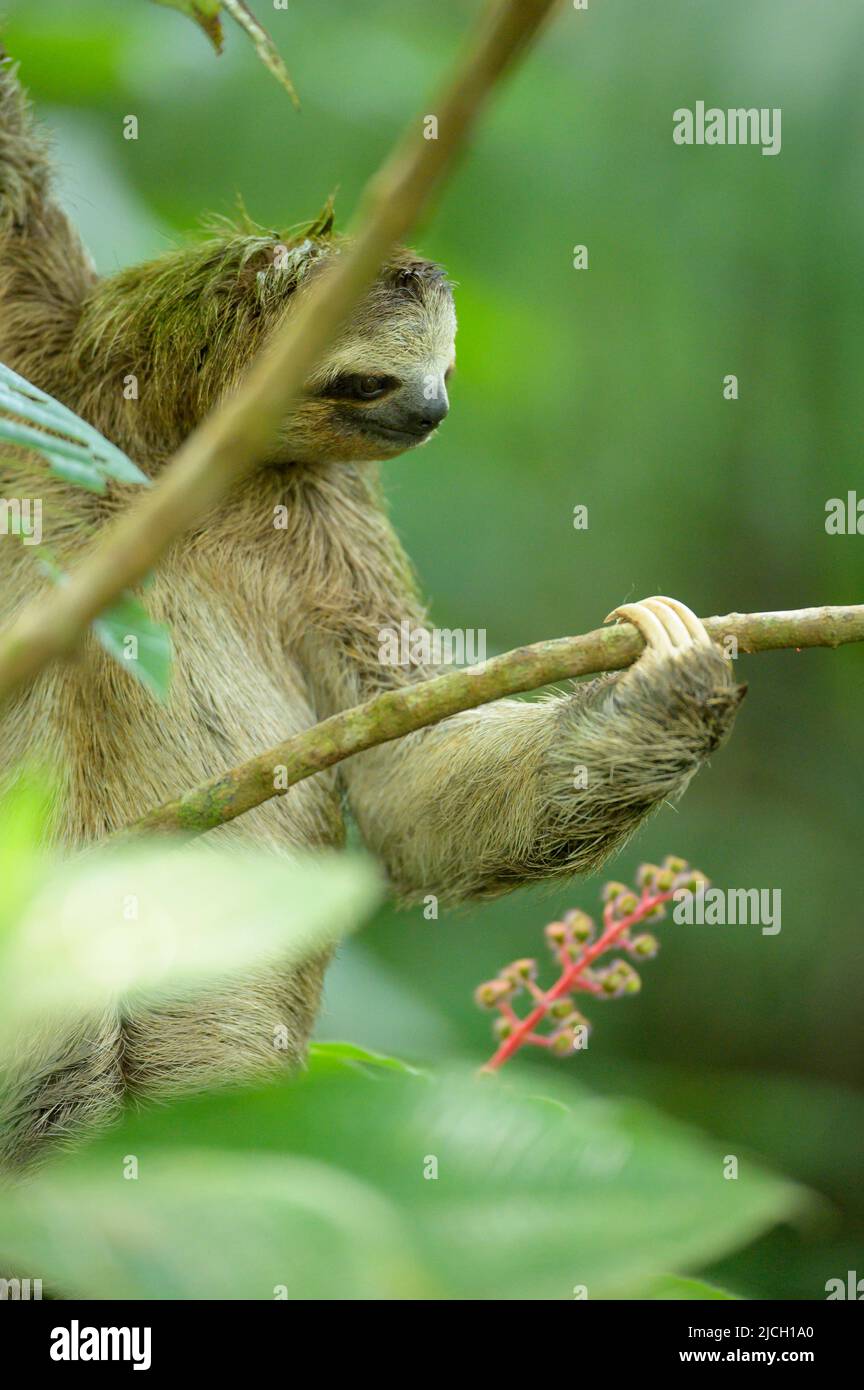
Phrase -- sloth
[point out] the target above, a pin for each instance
(277, 627)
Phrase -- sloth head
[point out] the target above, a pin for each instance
(383, 387)
(187, 326)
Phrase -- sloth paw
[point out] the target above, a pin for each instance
(685, 677)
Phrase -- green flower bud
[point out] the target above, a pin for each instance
(625, 904)
(556, 934)
(562, 1008)
(612, 890)
(674, 864)
(696, 882)
(492, 992)
(561, 1044)
(502, 1028)
(580, 925)
(664, 880)
(625, 977)
(645, 946)
(620, 978)
(519, 970)
(646, 874)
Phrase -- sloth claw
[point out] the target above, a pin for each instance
(669, 627)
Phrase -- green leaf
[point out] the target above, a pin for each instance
(85, 457)
(23, 819)
(343, 1056)
(206, 14)
(671, 1287)
(151, 663)
(149, 658)
(158, 921)
(264, 45)
(532, 1199)
(260, 1226)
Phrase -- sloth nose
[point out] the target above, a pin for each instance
(422, 415)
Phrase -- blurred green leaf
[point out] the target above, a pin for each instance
(671, 1287)
(237, 1225)
(86, 462)
(158, 920)
(149, 657)
(151, 663)
(531, 1197)
(750, 1112)
(23, 819)
(342, 1056)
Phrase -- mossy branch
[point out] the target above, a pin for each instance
(236, 437)
(399, 712)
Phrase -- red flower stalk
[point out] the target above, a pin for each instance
(573, 944)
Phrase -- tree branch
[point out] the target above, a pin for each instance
(400, 712)
(237, 435)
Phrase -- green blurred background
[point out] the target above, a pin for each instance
(601, 387)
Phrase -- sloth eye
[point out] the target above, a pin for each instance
(367, 387)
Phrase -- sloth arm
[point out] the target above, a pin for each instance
(522, 790)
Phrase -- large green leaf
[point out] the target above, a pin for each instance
(158, 920)
(227, 1225)
(84, 456)
(534, 1198)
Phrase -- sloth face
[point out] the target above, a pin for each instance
(383, 389)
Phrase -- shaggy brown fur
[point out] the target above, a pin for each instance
(274, 629)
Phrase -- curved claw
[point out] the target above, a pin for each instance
(646, 622)
(694, 625)
(679, 634)
(667, 625)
